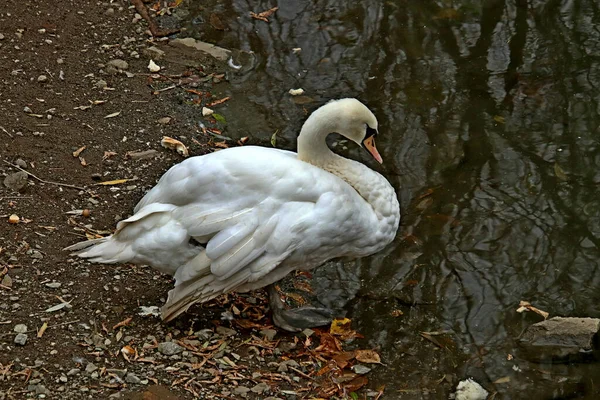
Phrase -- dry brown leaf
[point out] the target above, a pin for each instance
(263, 16)
(368, 356)
(125, 322)
(174, 144)
(42, 330)
(217, 102)
(77, 152)
(108, 154)
(526, 306)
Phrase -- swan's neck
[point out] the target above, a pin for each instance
(312, 147)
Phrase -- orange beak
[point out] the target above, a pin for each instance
(369, 144)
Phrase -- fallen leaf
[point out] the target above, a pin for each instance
(174, 144)
(263, 16)
(58, 307)
(42, 330)
(77, 152)
(216, 22)
(274, 138)
(114, 182)
(504, 379)
(115, 114)
(125, 322)
(368, 356)
(340, 326)
(526, 306)
(560, 173)
(219, 118)
(217, 102)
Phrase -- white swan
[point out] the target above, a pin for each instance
(243, 218)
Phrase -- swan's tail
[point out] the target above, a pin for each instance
(106, 250)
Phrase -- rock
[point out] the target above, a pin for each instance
(21, 163)
(42, 78)
(16, 181)
(118, 64)
(142, 155)
(227, 332)
(101, 84)
(241, 390)
(27, 110)
(169, 348)
(561, 339)
(20, 328)
(91, 367)
(269, 334)
(470, 390)
(283, 366)
(260, 388)
(216, 52)
(1, 36)
(164, 120)
(118, 372)
(132, 378)
(21, 339)
(7, 280)
(53, 285)
(361, 369)
(154, 53)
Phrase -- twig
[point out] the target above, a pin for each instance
(43, 181)
(49, 326)
(5, 131)
(164, 89)
(154, 29)
(16, 197)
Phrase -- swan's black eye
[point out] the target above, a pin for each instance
(370, 132)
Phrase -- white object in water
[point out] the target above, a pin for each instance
(296, 92)
(470, 390)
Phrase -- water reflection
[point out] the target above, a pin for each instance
(489, 115)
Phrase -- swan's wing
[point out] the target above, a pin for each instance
(253, 209)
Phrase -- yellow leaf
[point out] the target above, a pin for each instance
(340, 326)
(115, 182)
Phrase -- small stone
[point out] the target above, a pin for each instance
(118, 64)
(169, 348)
(109, 11)
(269, 334)
(361, 369)
(73, 371)
(53, 285)
(154, 52)
(21, 163)
(60, 61)
(260, 388)
(118, 372)
(20, 328)
(27, 110)
(227, 332)
(101, 84)
(1, 36)
(42, 78)
(132, 378)
(7, 280)
(16, 181)
(164, 120)
(91, 367)
(241, 390)
(21, 339)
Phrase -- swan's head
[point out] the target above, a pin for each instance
(356, 122)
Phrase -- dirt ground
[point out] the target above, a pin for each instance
(72, 330)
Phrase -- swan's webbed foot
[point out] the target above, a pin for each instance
(296, 320)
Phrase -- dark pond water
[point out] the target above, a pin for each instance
(489, 129)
